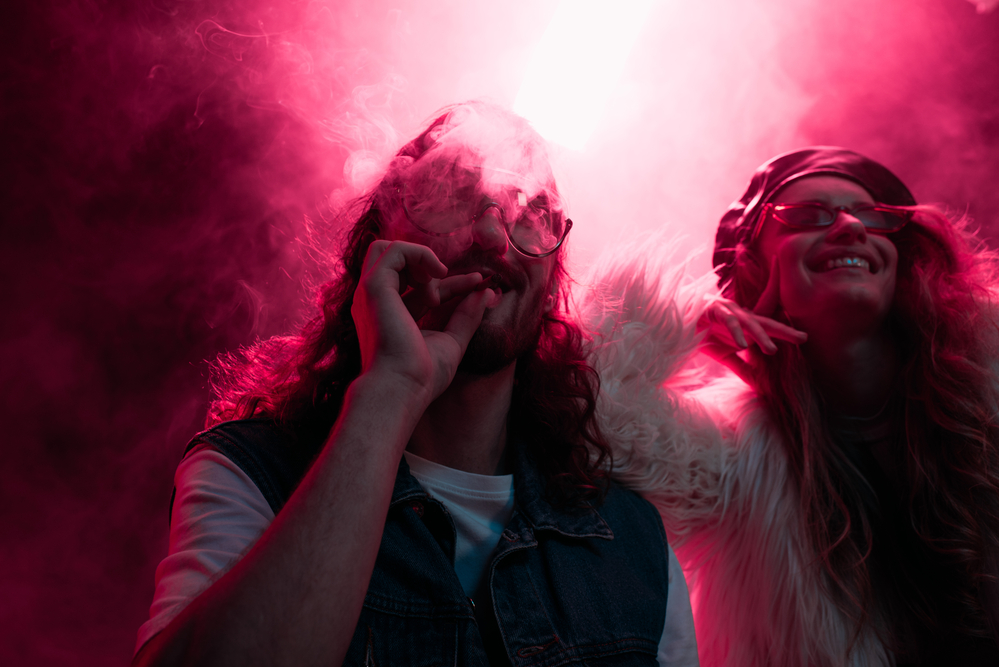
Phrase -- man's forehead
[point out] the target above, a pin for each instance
(503, 148)
(464, 168)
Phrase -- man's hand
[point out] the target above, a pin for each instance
(727, 325)
(295, 597)
(400, 283)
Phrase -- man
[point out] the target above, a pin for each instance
(417, 478)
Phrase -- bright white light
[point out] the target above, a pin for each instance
(577, 65)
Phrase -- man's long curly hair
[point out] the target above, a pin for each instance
(943, 316)
(300, 380)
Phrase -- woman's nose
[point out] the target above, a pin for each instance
(847, 228)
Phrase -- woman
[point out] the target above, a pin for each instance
(844, 507)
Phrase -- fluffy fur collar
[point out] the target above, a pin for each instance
(706, 456)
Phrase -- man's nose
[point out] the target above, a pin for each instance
(847, 229)
(488, 231)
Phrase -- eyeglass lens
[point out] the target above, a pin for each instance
(818, 215)
(533, 228)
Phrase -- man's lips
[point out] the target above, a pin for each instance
(495, 275)
(493, 281)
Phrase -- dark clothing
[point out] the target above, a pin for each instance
(913, 583)
(563, 587)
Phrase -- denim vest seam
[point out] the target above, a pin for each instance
(580, 536)
(409, 495)
(388, 605)
(561, 654)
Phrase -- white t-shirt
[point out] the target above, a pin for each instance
(218, 513)
(479, 505)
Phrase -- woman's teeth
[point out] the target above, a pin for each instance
(853, 262)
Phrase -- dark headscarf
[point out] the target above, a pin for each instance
(738, 223)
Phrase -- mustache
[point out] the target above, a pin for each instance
(490, 263)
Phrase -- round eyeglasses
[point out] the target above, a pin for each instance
(876, 218)
(532, 227)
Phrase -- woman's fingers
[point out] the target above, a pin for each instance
(768, 304)
(782, 331)
(734, 326)
(729, 324)
(758, 333)
(763, 331)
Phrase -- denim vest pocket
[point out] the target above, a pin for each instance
(563, 600)
(415, 612)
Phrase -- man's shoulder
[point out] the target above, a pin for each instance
(629, 513)
(619, 498)
(253, 429)
(274, 456)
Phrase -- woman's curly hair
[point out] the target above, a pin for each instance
(945, 321)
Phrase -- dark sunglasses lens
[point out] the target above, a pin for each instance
(881, 219)
(803, 215)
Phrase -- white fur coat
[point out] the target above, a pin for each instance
(714, 467)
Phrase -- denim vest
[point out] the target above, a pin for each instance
(563, 586)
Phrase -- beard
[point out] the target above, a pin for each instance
(494, 347)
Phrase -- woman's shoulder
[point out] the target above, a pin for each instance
(738, 412)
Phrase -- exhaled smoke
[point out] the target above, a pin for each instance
(173, 167)
(476, 151)
(984, 6)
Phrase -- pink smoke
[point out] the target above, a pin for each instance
(172, 168)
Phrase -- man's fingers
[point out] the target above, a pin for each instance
(421, 298)
(419, 263)
(770, 299)
(467, 316)
(454, 286)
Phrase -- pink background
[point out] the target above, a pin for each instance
(161, 157)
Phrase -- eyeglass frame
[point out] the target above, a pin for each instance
(488, 204)
(769, 209)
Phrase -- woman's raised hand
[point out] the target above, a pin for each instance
(729, 328)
